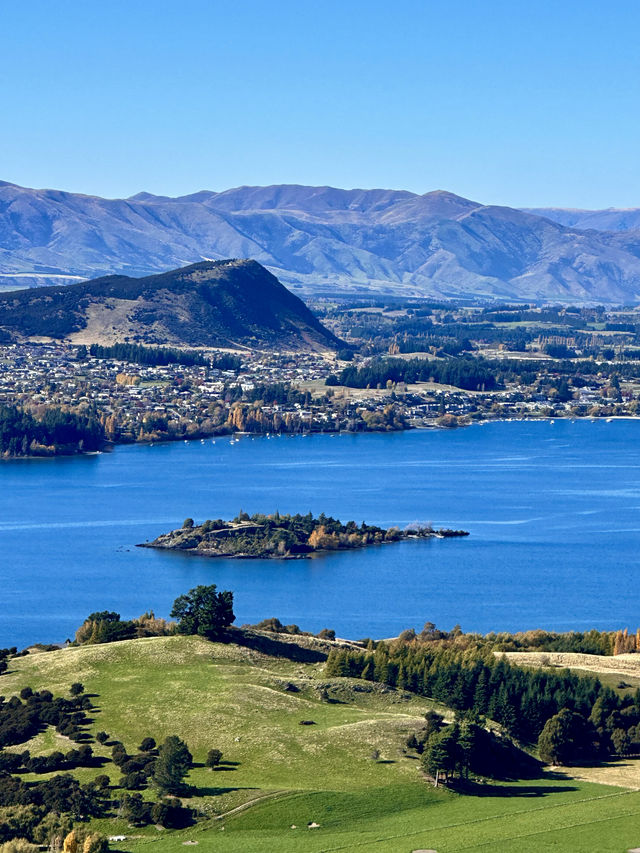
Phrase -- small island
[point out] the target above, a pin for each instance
(285, 536)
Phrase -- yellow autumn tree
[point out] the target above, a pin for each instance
(624, 643)
(237, 417)
(320, 540)
(70, 844)
(95, 843)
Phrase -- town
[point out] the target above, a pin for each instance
(534, 363)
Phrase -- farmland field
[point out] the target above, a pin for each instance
(280, 774)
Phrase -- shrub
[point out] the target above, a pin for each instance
(18, 845)
(119, 754)
(326, 634)
(214, 757)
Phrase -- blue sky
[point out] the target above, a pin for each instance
(526, 102)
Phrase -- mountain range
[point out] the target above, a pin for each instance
(322, 240)
(611, 219)
(214, 303)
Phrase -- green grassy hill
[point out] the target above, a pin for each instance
(282, 774)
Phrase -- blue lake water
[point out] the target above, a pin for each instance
(553, 510)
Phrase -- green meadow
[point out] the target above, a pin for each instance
(346, 770)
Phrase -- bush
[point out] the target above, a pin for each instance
(170, 814)
(18, 845)
(326, 634)
(18, 822)
(119, 754)
(214, 757)
(133, 781)
(160, 813)
(134, 809)
(95, 843)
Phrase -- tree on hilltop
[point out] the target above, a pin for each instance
(204, 611)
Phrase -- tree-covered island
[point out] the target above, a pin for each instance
(285, 536)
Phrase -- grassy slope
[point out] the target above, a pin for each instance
(235, 699)
(611, 668)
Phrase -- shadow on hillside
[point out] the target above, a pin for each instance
(602, 764)
(96, 762)
(331, 698)
(476, 789)
(272, 646)
(207, 791)
(559, 775)
(223, 765)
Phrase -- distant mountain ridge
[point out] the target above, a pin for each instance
(322, 240)
(610, 219)
(214, 303)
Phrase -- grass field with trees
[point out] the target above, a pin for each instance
(347, 770)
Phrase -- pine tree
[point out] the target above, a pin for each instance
(467, 745)
(434, 757)
(481, 693)
(172, 765)
(381, 665)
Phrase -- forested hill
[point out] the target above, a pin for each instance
(214, 303)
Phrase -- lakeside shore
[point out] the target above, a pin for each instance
(112, 445)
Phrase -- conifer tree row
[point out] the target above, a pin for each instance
(521, 700)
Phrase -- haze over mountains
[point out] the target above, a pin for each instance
(321, 240)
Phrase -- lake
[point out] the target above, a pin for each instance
(553, 511)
